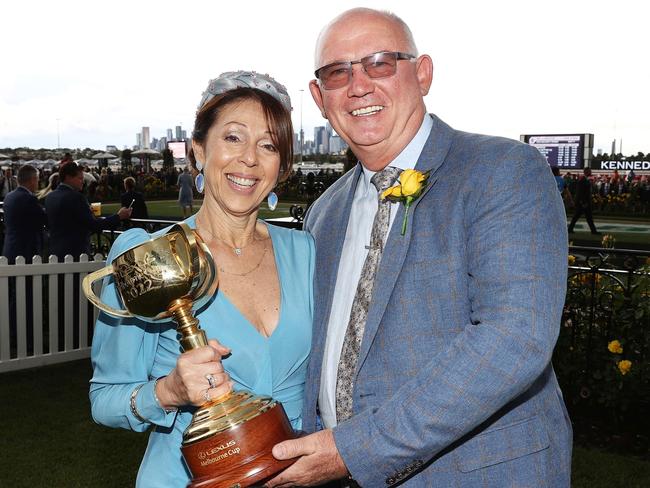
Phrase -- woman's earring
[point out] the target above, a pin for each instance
(272, 201)
(199, 181)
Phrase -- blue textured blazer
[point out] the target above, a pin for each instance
(24, 221)
(454, 385)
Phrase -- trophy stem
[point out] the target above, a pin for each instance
(188, 326)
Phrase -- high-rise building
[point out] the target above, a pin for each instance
(179, 133)
(613, 147)
(138, 140)
(154, 143)
(301, 150)
(321, 140)
(145, 138)
(183, 135)
(162, 145)
(337, 145)
(170, 135)
(296, 143)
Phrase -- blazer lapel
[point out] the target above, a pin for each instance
(433, 155)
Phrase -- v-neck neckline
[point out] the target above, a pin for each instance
(225, 299)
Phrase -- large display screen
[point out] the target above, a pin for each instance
(566, 151)
(177, 148)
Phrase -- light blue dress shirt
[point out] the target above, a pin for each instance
(357, 237)
(130, 352)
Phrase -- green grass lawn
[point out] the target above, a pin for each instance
(624, 240)
(169, 209)
(49, 439)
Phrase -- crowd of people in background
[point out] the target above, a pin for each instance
(611, 191)
(60, 208)
(608, 192)
(70, 226)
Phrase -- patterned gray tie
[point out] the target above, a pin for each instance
(359, 313)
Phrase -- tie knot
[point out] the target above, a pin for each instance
(385, 178)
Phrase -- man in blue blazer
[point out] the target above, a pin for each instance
(24, 218)
(70, 220)
(453, 385)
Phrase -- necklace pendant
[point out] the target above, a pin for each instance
(238, 251)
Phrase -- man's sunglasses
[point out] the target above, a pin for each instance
(378, 65)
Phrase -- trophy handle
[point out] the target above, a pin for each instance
(87, 286)
(211, 271)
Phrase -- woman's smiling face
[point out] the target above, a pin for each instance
(241, 163)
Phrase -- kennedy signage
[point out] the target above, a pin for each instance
(625, 165)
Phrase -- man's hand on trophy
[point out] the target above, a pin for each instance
(197, 378)
(319, 461)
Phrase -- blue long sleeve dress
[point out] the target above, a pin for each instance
(130, 352)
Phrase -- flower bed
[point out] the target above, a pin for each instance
(601, 358)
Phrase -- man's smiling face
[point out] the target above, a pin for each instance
(376, 117)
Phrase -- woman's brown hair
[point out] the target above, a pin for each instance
(277, 118)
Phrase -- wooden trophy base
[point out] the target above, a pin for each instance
(240, 457)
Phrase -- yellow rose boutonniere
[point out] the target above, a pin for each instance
(411, 184)
(615, 347)
(624, 366)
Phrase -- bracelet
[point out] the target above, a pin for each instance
(155, 397)
(132, 402)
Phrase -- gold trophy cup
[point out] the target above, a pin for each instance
(228, 443)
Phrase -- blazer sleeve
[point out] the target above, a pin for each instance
(517, 251)
(86, 218)
(122, 356)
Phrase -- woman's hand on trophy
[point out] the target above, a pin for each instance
(197, 378)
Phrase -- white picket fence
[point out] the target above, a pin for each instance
(20, 354)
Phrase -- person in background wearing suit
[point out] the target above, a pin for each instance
(583, 202)
(24, 218)
(135, 201)
(433, 335)
(70, 220)
(8, 183)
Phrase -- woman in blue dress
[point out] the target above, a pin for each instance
(259, 319)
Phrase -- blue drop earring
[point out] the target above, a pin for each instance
(199, 181)
(272, 201)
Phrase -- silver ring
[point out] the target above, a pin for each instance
(206, 395)
(211, 380)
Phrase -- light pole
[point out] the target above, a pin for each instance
(302, 134)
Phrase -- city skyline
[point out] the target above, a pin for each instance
(325, 141)
(504, 68)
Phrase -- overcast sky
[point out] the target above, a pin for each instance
(102, 70)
